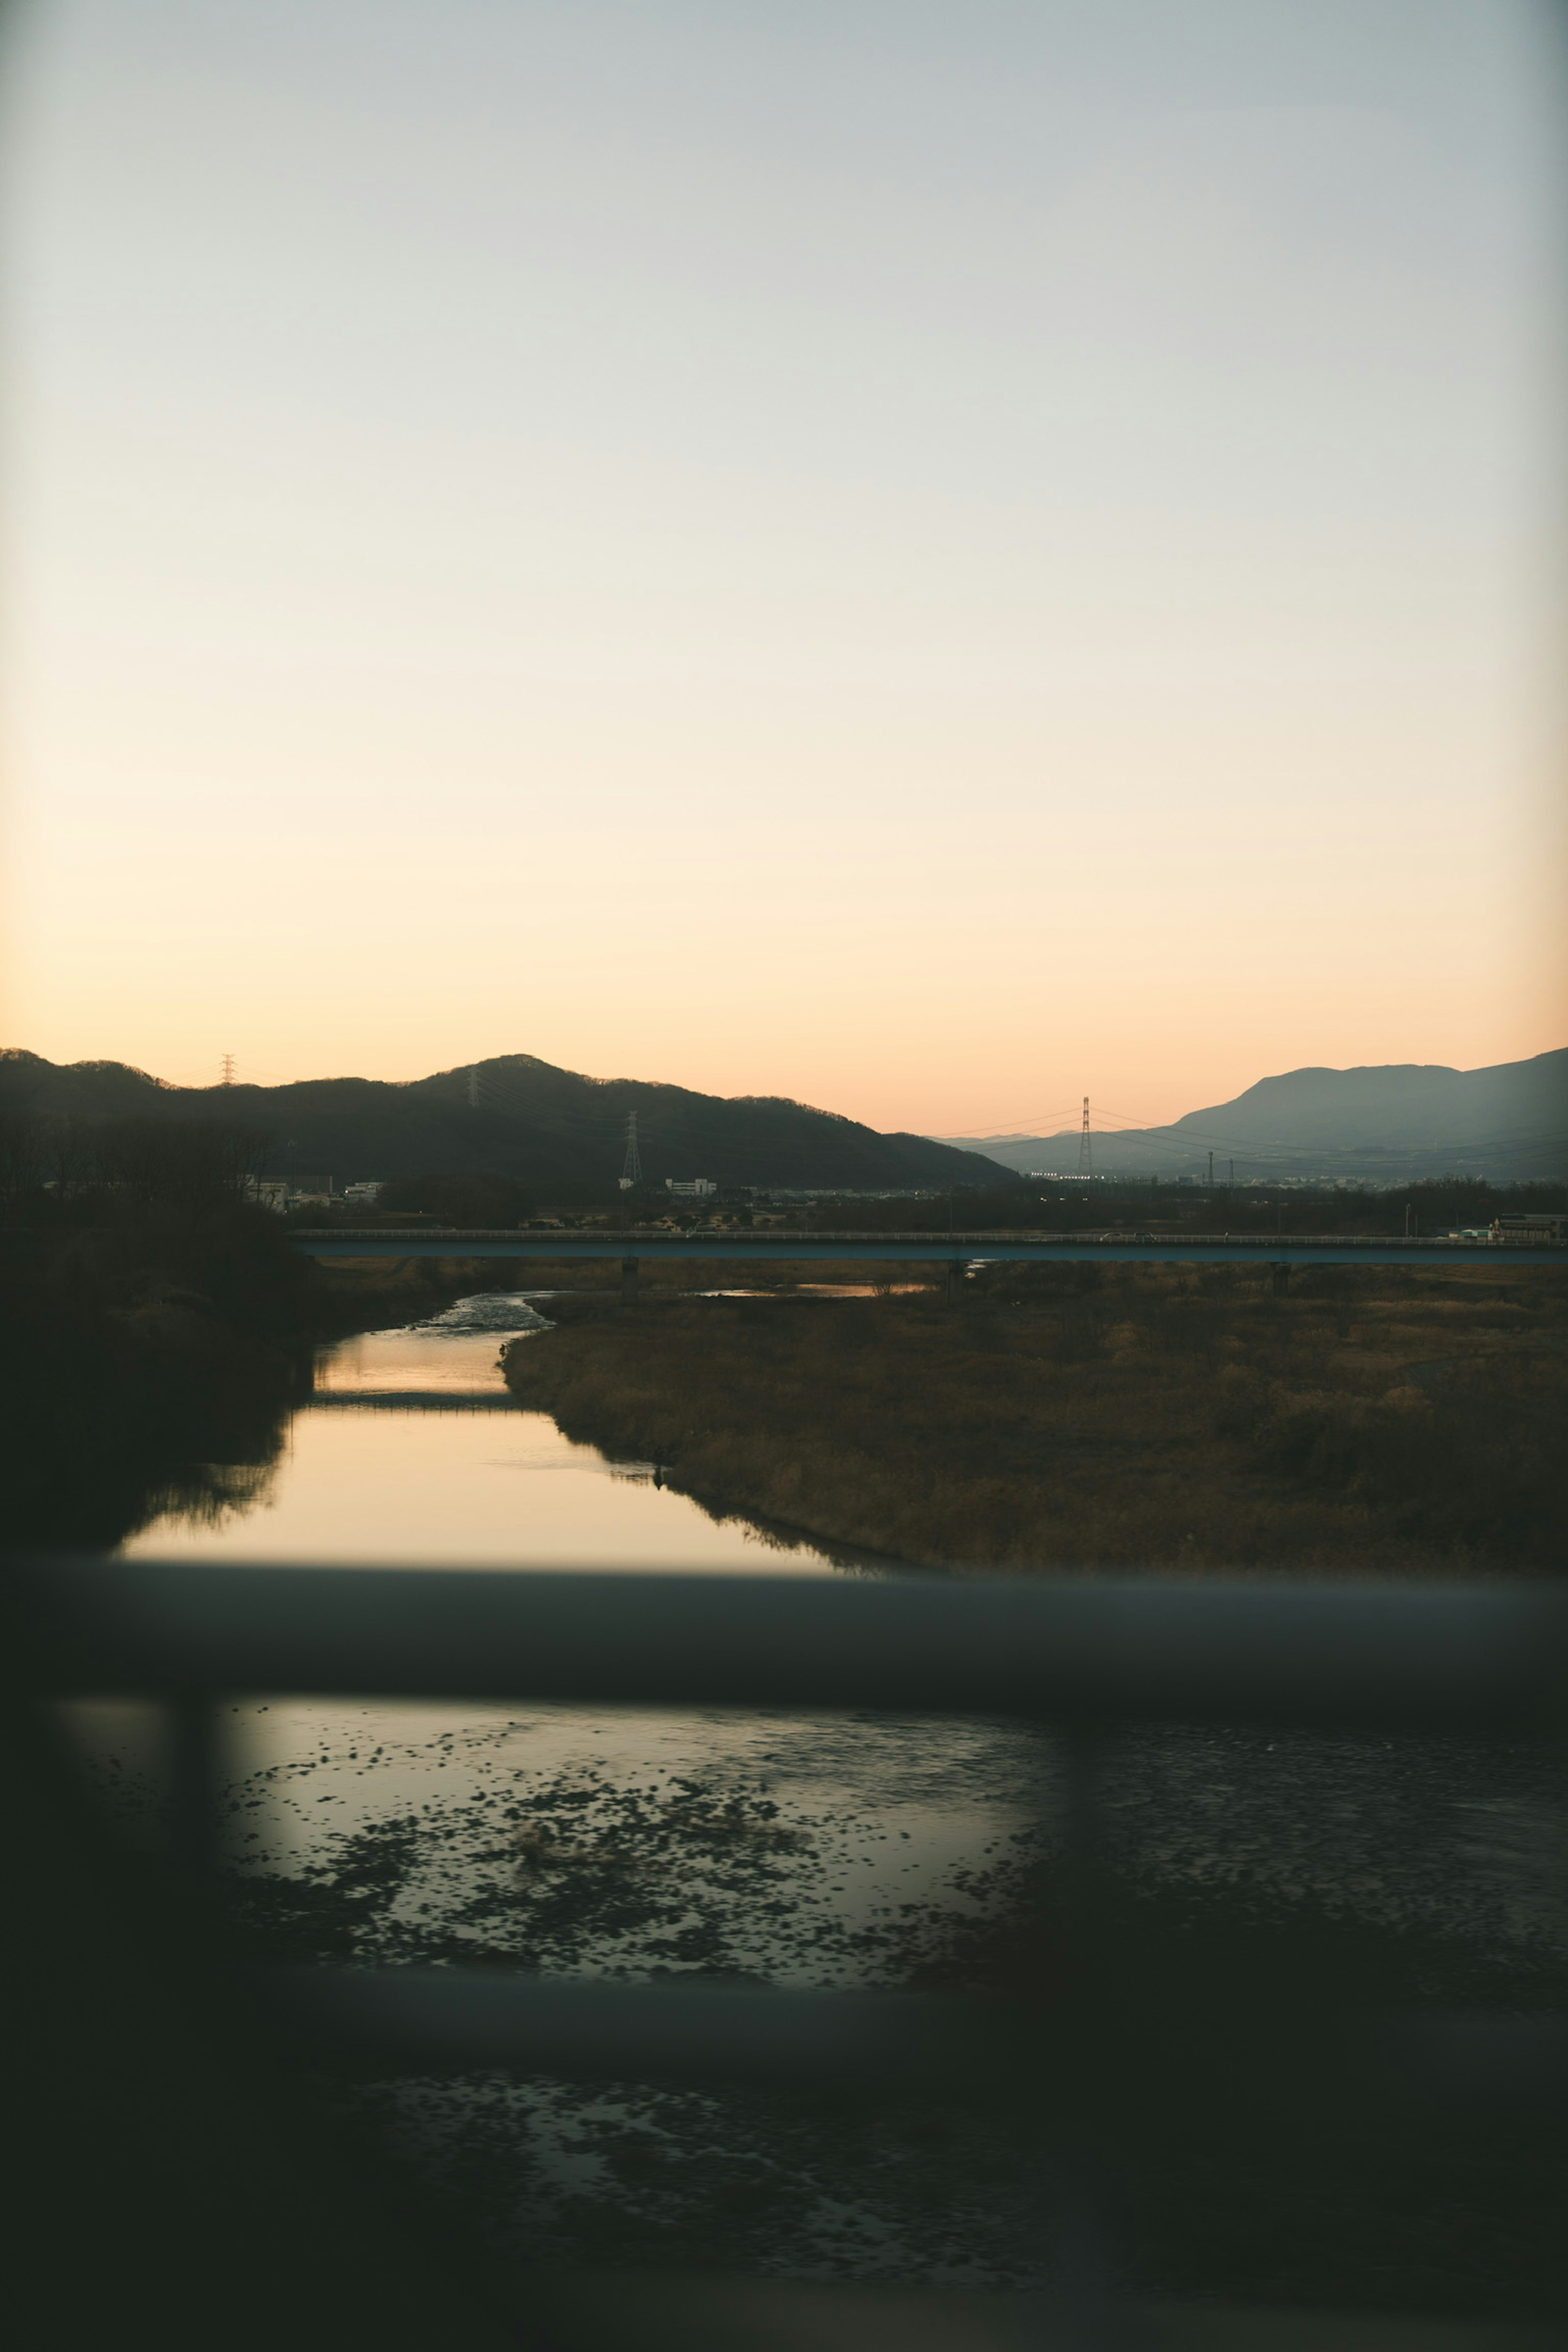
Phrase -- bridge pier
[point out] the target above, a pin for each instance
(630, 1281)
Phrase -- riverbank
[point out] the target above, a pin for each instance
(1398, 1421)
(142, 1346)
(150, 1357)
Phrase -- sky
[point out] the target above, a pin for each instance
(930, 558)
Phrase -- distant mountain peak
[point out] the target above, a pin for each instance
(1383, 1122)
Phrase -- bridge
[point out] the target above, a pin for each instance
(649, 1243)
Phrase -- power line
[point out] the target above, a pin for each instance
(500, 1091)
(232, 1072)
(1151, 1135)
(1039, 1126)
(1032, 1122)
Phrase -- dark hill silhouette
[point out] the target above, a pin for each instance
(531, 1121)
(1387, 1122)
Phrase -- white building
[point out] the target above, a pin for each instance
(266, 1194)
(696, 1190)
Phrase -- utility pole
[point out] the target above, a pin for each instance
(474, 1087)
(1085, 1147)
(1211, 1172)
(227, 1079)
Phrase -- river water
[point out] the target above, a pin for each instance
(411, 1449)
(837, 1850)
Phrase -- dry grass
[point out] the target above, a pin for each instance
(1104, 1418)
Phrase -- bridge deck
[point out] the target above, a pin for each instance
(1206, 1249)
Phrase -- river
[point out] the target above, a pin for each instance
(791, 1847)
(411, 1449)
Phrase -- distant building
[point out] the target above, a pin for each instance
(835, 1193)
(698, 1189)
(363, 1196)
(1536, 1226)
(266, 1194)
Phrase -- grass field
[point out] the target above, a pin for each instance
(1376, 1420)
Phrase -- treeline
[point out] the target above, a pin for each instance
(473, 1201)
(156, 1323)
(1434, 1205)
(52, 1168)
(153, 1321)
(477, 1200)
(123, 1214)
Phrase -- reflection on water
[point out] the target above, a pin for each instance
(388, 1462)
(822, 1290)
(369, 1472)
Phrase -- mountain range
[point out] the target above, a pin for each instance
(1387, 1122)
(516, 1115)
(513, 1115)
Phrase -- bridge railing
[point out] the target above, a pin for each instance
(1077, 1654)
(1274, 1251)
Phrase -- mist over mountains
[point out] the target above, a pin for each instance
(513, 1115)
(1386, 1123)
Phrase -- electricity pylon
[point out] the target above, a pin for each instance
(1085, 1147)
(631, 1173)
